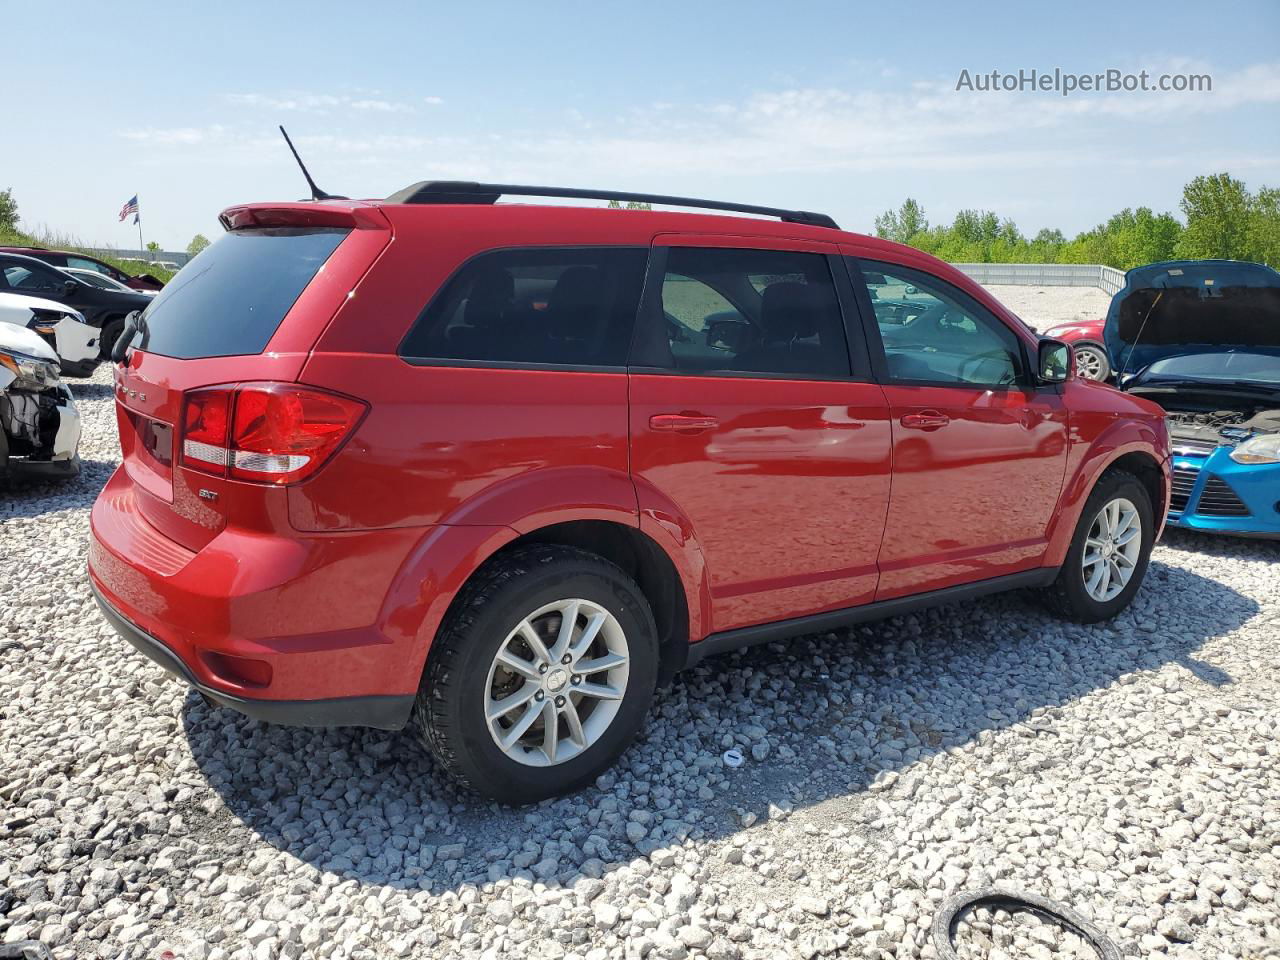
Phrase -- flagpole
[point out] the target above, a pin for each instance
(137, 217)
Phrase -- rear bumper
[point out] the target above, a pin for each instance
(382, 712)
(76, 342)
(281, 626)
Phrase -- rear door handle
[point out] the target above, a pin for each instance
(682, 422)
(925, 420)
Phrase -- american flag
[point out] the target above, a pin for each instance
(130, 208)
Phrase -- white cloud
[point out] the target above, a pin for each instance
(433, 101)
(919, 132)
(176, 136)
(317, 102)
(379, 106)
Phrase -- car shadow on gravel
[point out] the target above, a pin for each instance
(30, 497)
(818, 720)
(87, 390)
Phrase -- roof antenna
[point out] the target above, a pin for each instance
(316, 192)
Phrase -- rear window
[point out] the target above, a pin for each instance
(230, 300)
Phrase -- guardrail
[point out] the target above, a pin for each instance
(1105, 278)
(180, 257)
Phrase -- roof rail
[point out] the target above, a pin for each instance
(460, 191)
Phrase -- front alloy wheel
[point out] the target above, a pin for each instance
(557, 682)
(1111, 550)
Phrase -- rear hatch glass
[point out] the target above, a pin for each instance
(227, 303)
(230, 299)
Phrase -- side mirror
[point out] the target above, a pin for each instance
(728, 335)
(1053, 364)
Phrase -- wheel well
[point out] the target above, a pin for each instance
(1148, 472)
(642, 560)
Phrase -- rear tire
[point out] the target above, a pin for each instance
(564, 744)
(1098, 551)
(111, 331)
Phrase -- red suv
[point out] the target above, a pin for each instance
(497, 471)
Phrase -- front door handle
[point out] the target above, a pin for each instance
(925, 420)
(682, 422)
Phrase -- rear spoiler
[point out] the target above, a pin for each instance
(303, 214)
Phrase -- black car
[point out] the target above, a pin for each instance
(82, 261)
(105, 309)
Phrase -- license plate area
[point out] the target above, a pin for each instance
(155, 439)
(149, 459)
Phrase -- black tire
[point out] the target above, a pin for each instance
(448, 715)
(1067, 595)
(111, 331)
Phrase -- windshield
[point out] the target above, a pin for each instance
(230, 300)
(1230, 366)
(95, 279)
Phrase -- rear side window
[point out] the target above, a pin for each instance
(230, 301)
(767, 312)
(555, 306)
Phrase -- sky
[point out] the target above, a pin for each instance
(841, 107)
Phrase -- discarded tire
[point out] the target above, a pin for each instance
(944, 921)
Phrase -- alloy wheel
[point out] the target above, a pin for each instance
(1091, 363)
(556, 682)
(1112, 549)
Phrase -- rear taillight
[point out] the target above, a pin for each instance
(265, 432)
(206, 414)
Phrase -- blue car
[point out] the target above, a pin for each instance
(1202, 339)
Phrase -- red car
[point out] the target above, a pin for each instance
(82, 261)
(1085, 338)
(497, 471)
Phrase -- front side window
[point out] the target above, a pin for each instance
(559, 306)
(934, 334)
(752, 311)
(30, 278)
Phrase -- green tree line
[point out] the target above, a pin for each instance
(1221, 218)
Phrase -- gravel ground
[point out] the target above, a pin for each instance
(1045, 307)
(1129, 770)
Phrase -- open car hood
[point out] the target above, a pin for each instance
(1192, 306)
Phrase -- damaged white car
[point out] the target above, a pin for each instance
(39, 422)
(63, 328)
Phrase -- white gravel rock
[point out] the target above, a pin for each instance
(1129, 769)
